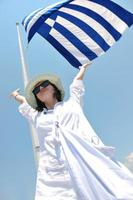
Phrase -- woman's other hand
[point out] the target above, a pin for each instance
(17, 96)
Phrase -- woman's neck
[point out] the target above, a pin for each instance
(50, 105)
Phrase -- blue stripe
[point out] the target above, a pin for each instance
(28, 20)
(53, 16)
(122, 13)
(75, 41)
(64, 52)
(44, 30)
(24, 20)
(87, 29)
(34, 28)
(43, 17)
(115, 34)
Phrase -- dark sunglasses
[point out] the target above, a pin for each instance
(44, 84)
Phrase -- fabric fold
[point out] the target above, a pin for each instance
(96, 176)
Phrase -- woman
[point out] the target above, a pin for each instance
(74, 163)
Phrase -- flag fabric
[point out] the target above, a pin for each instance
(80, 30)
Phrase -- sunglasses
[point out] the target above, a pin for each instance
(44, 84)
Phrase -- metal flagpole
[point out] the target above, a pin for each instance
(35, 142)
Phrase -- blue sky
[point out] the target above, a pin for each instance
(108, 102)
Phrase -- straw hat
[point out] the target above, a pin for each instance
(30, 86)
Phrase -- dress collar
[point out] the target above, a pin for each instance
(45, 110)
(57, 104)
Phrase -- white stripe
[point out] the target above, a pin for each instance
(50, 22)
(81, 35)
(69, 46)
(109, 16)
(38, 15)
(91, 22)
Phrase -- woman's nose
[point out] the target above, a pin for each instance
(41, 87)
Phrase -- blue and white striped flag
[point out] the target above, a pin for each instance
(81, 30)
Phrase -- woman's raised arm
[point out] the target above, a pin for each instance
(77, 86)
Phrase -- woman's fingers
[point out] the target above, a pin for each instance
(85, 65)
(15, 92)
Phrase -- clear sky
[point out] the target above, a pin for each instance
(108, 102)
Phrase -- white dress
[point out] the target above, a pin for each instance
(74, 163)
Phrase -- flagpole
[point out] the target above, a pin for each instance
(35, 142)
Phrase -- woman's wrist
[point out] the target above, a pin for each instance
(16, 95)
(82, 67)
(19, 98)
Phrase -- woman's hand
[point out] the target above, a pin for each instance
(81, 72)
(85, 66)
(17, 96)
(15, 93)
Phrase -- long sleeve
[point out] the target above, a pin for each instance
(77, 91)
(28, 112)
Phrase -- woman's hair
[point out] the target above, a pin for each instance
(41, 105)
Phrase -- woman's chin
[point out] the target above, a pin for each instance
(45, 99)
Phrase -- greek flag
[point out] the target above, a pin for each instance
(80, 30)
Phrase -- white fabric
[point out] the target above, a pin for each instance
(92, 23)
(80, 34)
(109, 16)
(74, 163)
(69, 46)
(38, 15)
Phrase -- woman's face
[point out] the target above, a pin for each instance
(46, 94)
